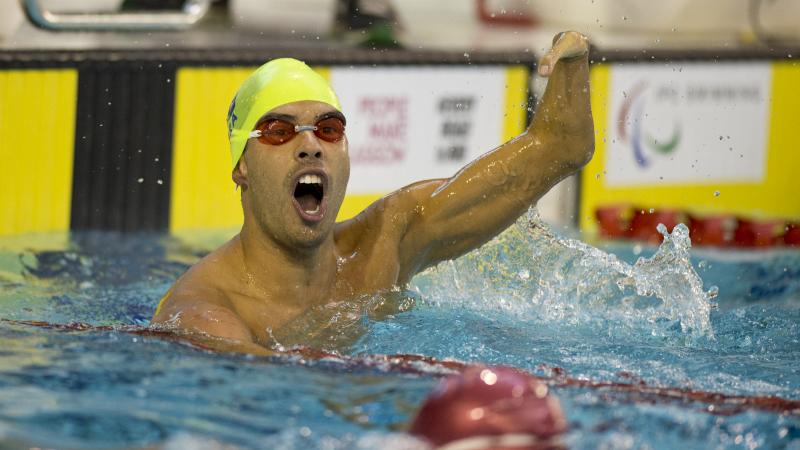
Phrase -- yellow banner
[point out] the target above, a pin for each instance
(775, 196)
(37, 138)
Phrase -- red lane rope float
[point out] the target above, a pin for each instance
(644, 223)
(792, 236)
(720, 230)
(638, 391)
(614, 221)
(752, 233)
(712, 230)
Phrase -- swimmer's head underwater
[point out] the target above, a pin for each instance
(289, 156)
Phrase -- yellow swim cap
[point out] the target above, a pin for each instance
(276, 83)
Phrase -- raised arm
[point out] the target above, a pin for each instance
(446, 218)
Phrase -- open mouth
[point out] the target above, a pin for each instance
(309, 195)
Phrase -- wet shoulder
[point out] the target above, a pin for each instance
(206, 282)
(369, 226)
(385, 220)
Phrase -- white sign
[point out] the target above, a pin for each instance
(406, 124)
(687, 123)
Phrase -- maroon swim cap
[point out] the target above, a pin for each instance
(490, 408)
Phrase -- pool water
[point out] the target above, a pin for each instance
(635, 342)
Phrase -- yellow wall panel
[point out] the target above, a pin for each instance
(592, 187)
(775, 197)
(37, 134)
(355, 203)
(781, 196)
(203, 195)
(516, 103)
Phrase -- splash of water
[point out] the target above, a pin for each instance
(530, 272)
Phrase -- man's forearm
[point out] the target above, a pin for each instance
(558, 142)
(563, 118)
(488, 194)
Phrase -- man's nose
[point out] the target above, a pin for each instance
(309, 148)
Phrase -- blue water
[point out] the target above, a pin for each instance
(530, 299)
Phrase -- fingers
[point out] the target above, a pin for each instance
(567, 44)
(548, 62)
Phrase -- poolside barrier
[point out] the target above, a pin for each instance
(716, 230)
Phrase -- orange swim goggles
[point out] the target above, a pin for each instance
(279, 131)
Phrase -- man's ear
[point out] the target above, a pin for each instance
(239, 174)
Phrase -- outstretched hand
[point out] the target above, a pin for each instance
(566, 45)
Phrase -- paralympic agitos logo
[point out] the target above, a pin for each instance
(631, 128)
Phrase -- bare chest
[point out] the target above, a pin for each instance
(367, 270)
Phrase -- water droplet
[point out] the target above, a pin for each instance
(159, 181)
(140, 180)
(716, 193)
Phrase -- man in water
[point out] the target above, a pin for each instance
(290, 159)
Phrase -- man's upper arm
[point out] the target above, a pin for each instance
(445, 218)
(187, 313)
(211, 326)
(405, 208)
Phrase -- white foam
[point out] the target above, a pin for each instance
(567, 280)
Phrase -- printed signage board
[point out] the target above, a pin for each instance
(406, 124)
(687, 123)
